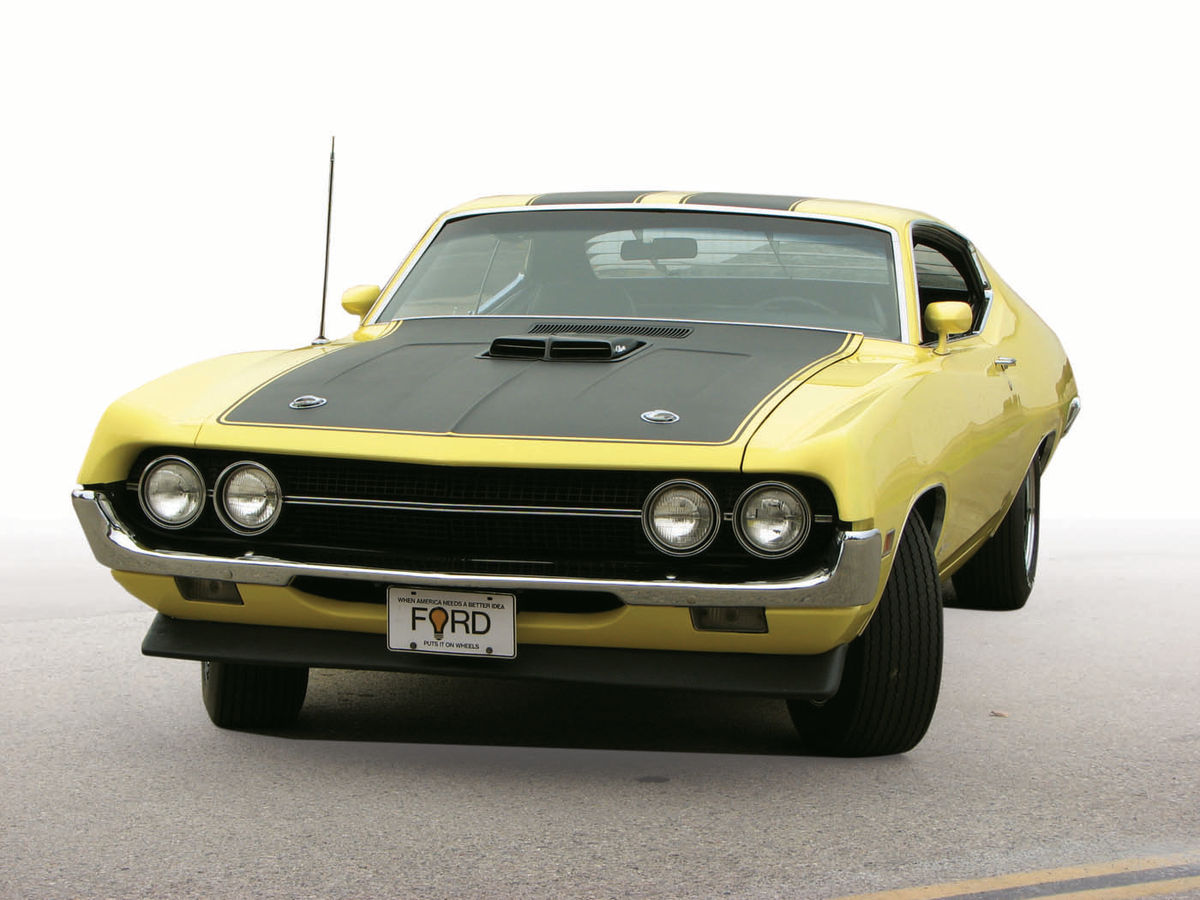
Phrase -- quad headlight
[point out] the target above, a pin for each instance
(772, 519)
(680, 517)
(250, 498)
(171, 492)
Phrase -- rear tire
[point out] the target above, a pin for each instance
(893, 669)
(237, 695)
(1000, 574)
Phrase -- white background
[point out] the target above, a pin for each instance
(164, 175)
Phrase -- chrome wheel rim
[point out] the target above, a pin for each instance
(1031, 501)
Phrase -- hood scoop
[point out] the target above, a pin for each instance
(662, 331)
(563, 347)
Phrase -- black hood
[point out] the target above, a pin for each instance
(434, 376)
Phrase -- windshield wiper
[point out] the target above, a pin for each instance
(500, 295)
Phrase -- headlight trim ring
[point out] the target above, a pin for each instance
(688, 484)
(219, 501)
(143, 481)
(750, 546)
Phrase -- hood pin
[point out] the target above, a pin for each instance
(308, 401)
(660, 417)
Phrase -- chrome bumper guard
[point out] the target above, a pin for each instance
(851, 580)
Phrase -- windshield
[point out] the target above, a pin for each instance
(657, 264)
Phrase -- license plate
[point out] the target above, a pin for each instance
(457, 623)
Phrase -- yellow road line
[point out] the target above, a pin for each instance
(1145, 889)
(1043, 876)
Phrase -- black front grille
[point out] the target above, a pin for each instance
(324, 520)
(321, 477)
(528, 600)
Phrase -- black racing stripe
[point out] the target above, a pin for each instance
(431, 376)
(750, 201)
(588, 197)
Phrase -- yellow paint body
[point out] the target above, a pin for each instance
(883, 424)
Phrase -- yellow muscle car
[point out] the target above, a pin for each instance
(721, 442)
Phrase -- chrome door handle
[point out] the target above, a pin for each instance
(1003, 362)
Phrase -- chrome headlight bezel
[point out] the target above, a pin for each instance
(739, 528)
(657, 494)
(144, 481)
(221, 503)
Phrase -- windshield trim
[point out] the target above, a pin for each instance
(406, 268)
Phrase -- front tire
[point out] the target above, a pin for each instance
(237, 695)
(893, 669)
(1000, 574)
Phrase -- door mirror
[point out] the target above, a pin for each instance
(947, 317)
(359, 299)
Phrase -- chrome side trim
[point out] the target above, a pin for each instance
(988, 293)
(418, 506)
(1072, 415)
(851, 580)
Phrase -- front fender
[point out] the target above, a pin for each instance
(171, 410)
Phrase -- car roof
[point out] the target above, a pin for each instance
(891, 216)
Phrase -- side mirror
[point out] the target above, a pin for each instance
(359, 299)
(947, 317)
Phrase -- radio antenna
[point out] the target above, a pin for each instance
(320, 338)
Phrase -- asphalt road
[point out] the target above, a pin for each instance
(1067, 734)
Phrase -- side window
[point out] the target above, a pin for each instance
(945, 272)
(937, 275)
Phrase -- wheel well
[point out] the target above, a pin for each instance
(1045, 450)
(931, 507)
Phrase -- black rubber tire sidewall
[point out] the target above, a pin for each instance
(893, 669)
(237, 695)
(996, 577)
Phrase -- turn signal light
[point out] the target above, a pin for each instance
(208, 590)
(745, 619)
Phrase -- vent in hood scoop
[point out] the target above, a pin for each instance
(665, 331)
(560, 347)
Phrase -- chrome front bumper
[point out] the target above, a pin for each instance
(852, 580)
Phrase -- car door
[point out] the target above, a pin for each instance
(975, 400)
